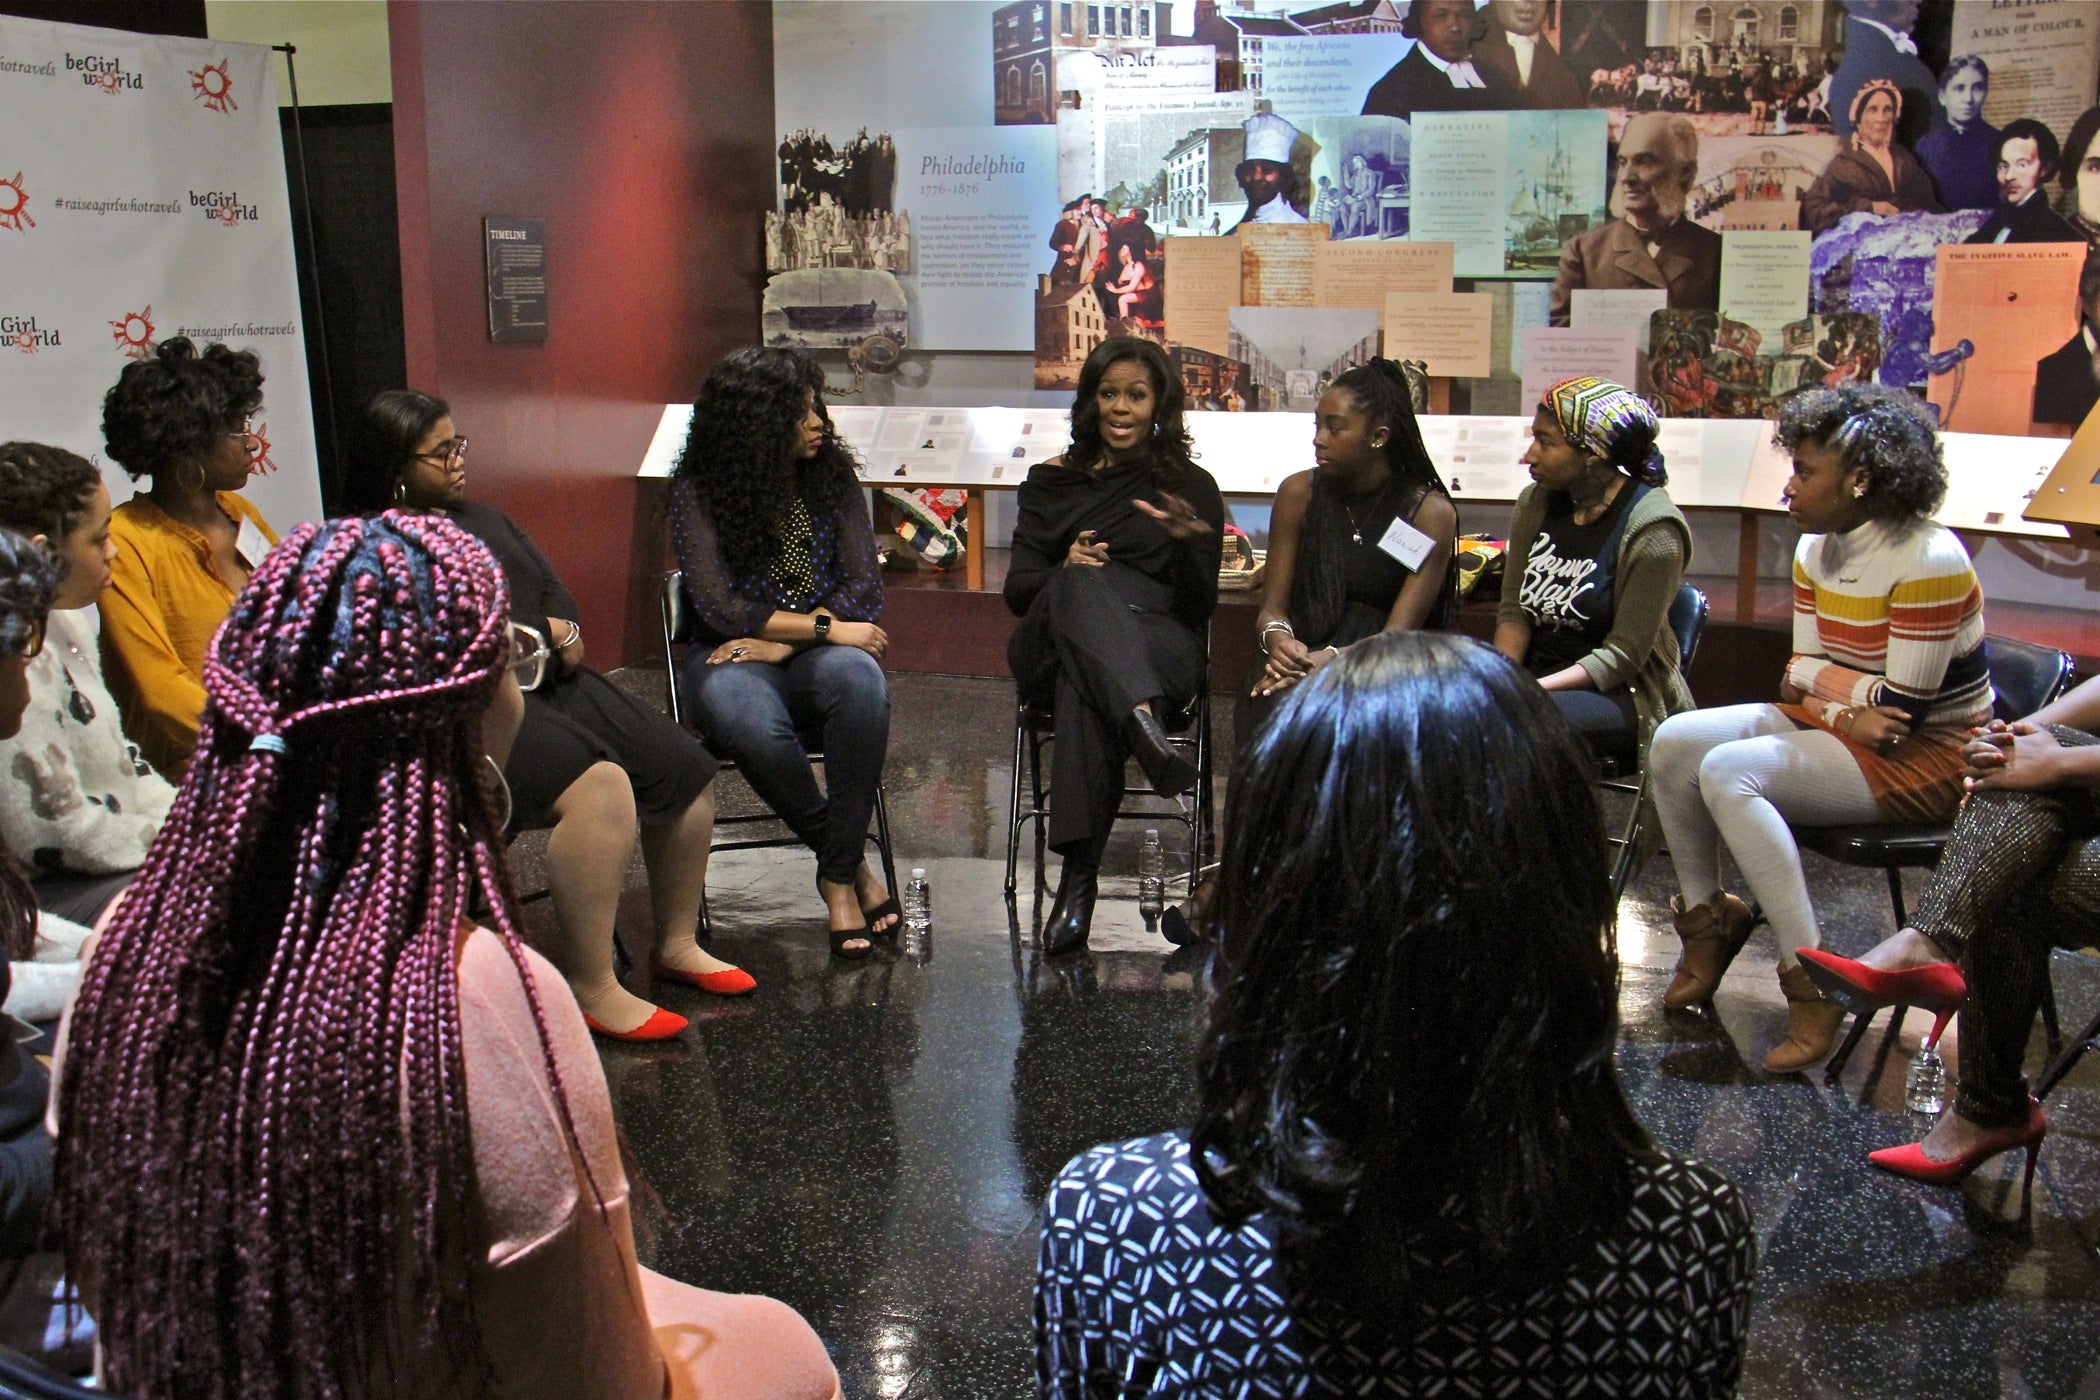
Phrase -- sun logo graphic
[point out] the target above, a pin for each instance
(259, 463)
(14, 205)
(24, 341)
(135, 333)
(214, 86)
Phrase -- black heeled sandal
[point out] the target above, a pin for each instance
(888, 909)
(840, 937)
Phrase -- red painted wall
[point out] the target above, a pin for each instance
(641, 132)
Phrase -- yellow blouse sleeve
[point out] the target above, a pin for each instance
(161, 697)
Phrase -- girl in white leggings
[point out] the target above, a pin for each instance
(1887, 679)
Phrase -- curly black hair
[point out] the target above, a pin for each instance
(1170, 456)
(383, 441)
(740, 453)
(45, 490)
(1882, 431)
(28, 576)
(1409, 1053)
(167, 409)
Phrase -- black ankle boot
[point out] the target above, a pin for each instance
(1169, 773)
(1072, 912)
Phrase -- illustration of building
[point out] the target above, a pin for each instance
(1199, 175)
(1238, 36)
(1022, 63)
(1793, 34)
(1352, 17)
(1068, 322)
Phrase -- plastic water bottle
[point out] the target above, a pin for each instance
(1152, 881)
(918, 916)
(1925, 1087)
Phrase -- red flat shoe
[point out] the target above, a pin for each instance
(729, 982)
(1862, 990)
(1910, 1159)
(661, 1025)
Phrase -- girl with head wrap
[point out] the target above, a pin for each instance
(1596, 552)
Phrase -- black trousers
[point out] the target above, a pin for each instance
(2021, 872)
(1094, 656)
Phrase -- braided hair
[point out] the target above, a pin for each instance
(264, 1159)
(28, 575)
(1320, 581)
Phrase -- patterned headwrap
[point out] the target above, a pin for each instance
(1867, 90)
(1603, 419)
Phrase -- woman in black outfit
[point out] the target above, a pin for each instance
(1412, 1168)
(1359, 545)
(771, 529)
(1114, 577)
(589, 760)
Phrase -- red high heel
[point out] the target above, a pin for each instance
(1862, 990)
(1910, 1159)
(729, 982)
(661, 1025)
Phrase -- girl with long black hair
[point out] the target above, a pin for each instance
(778, 552)
(1114, 576)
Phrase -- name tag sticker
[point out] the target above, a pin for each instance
(1407, 544)
(251, 544)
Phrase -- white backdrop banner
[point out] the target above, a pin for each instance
(143, 196)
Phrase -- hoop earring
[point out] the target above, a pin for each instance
(503, 791)
(199, 487)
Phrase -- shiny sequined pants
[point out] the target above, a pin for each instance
(2021, 873)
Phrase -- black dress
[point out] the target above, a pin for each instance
(578, 718)
(1139, 1292)
(1096, 642)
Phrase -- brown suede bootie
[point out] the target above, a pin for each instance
(1811, 1024)
(1713, 933)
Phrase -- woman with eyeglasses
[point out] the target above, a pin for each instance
(185, 545)
(590, 760)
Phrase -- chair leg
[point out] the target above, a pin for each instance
(882, 840)
(2051, 1027)
(2069, 1056)
(1013, 807)
(1629, 845)
(1896, 896)
(704, 931)
(1042, 826)
(1836, 1065)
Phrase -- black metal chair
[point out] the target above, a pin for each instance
(1618, 767)
(678, 632)
(2025, 677)
(1188, 730)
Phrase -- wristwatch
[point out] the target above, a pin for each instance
(823, 627)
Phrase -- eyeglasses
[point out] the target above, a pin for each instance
(447, 456)
(246, 431)
(528, 655)
(35, 645)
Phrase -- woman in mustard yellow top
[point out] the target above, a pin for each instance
(184, 546)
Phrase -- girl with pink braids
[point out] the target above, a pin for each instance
(321, 1134)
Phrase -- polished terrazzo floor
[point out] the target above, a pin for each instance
(870, 1142)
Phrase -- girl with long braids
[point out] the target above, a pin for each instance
(778, 554)
(321, 1134)
(1114, 577)
(185, 545)
(591, 761)
(1359, 545)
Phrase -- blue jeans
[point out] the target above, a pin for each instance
(767, 717)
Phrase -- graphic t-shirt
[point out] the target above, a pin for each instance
(1567, 593)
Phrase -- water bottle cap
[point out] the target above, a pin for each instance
(918, 872)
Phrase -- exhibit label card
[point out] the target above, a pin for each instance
(2044, 57)
(1764, 279)
(981, 200)
(1554, 353)
(1451, 331)
(1593, 310)
(1361, 274)
(2012, 305)
(1276, 263)
(1326, 75)
(1203, 285)
(1506, 186)
(1456, 162)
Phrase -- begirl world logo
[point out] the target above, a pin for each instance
(223, 207)
(213, 86)
(105, 72)
(14, 205)
(22, 333)
(134, 333)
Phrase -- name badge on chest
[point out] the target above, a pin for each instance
(1405, 543)
(251, 544)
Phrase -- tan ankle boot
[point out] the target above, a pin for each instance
(1811, 1024)
(1713, 933)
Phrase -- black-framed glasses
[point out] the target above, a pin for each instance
(448, 455)
(528, 655)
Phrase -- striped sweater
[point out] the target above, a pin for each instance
(1891, 614)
